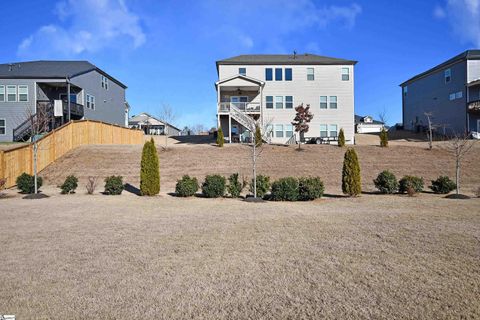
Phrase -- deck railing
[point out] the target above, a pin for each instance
(248, 107)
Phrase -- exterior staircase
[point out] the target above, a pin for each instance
(242, 118)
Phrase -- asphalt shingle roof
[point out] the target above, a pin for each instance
(301, 59)
(49, 70)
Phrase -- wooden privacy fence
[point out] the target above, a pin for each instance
(56, 143)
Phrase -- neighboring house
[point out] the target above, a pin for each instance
(450, 92)
(269, 87)
(367, 124)
(27, 86)
(151, 125)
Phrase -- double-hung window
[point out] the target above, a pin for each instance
(459, 95)
(323, 102)
(278, 74)
(3, 127)
(310, 74)
(323, 131)
(288, 74)
(90, 102)
(269, 102)
(242, 71)
(289, 102)
(452, 96)
(23, 93)
(2, 93)
(279, 130)
(279, 102)
(333, 102)
(345, 74)
(105, 82)
(288, 130)
(333, 130)
(448, 75)
(12, 93)
(268, 74)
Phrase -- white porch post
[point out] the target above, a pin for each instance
(218, 106)
(229, 129)
(261, 106)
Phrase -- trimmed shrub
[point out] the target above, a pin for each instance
(149, 170)
(341, 138)
(416, 183)
(443, 185)
(235, 187)
(263, 185)
(214, 186)
(386, 182)
(258, 136)
(91, 185)
(310, 188)
(70, 185)
(187, 186)
(220, 137)
(351, 179)
(114, 185)
(285, 189)
(26, 183)
(383, 138)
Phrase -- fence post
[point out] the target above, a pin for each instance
(52, 148)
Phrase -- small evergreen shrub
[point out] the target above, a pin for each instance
(114, 185)
(70, 185)
(411, 182)
(351, 179)
(310, 188)
(26, 183)
(214, 186)
(341, 138)
(443, 185)
(285, 189)
(235, 187)
(383, 138)
(149, 170)
(91, 185)
(263, 185)
(220, 137)
(258, 136)
(187, 186)
(386, 182)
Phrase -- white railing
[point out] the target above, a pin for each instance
(242, 118)
(248, 107)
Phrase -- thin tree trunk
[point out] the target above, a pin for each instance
(254, 169)
(457, 175)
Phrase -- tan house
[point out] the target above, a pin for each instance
(269, 87)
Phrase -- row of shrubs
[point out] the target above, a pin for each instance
(386, 182)
(284, 189)
(113, 184)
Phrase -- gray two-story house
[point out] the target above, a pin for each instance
(267, 88)
(63, 90)
(449, 93)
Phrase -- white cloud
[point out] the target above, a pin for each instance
(84, 26)
(439, 12)
(464, 19)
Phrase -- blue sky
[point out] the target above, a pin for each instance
(165, 51)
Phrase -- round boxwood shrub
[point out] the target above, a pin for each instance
(187, 186)
(26, 183)
(386, 182)
(70, 184)
(411, 182)
(263, 185)
(443, 185)
(310, 188)
(214, 186)
(285, 189)
(114, 185)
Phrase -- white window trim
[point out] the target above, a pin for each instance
(326, 101)
(90, 99)
(18, 93)
(242, 73)
(330, 102)
(7, 94)
(4, 93)
(311, 74)
(346, 74)
(273, 102)
(320, 130)
(449, 71)
(283, 131)
(283, 102)
(5, 126)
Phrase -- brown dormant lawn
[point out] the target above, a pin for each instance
(127, 257)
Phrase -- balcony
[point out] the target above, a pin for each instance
(247, 107)
(76, 110)
(474, 107)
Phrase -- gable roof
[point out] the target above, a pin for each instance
(44, 69)
(284, 59)
(144, 117)
(240, 76)
(359, 119)
(467, 55)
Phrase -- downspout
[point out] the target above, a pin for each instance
(68, 99)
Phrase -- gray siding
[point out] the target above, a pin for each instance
(15, 113)
(432, 94)
(110, 104)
